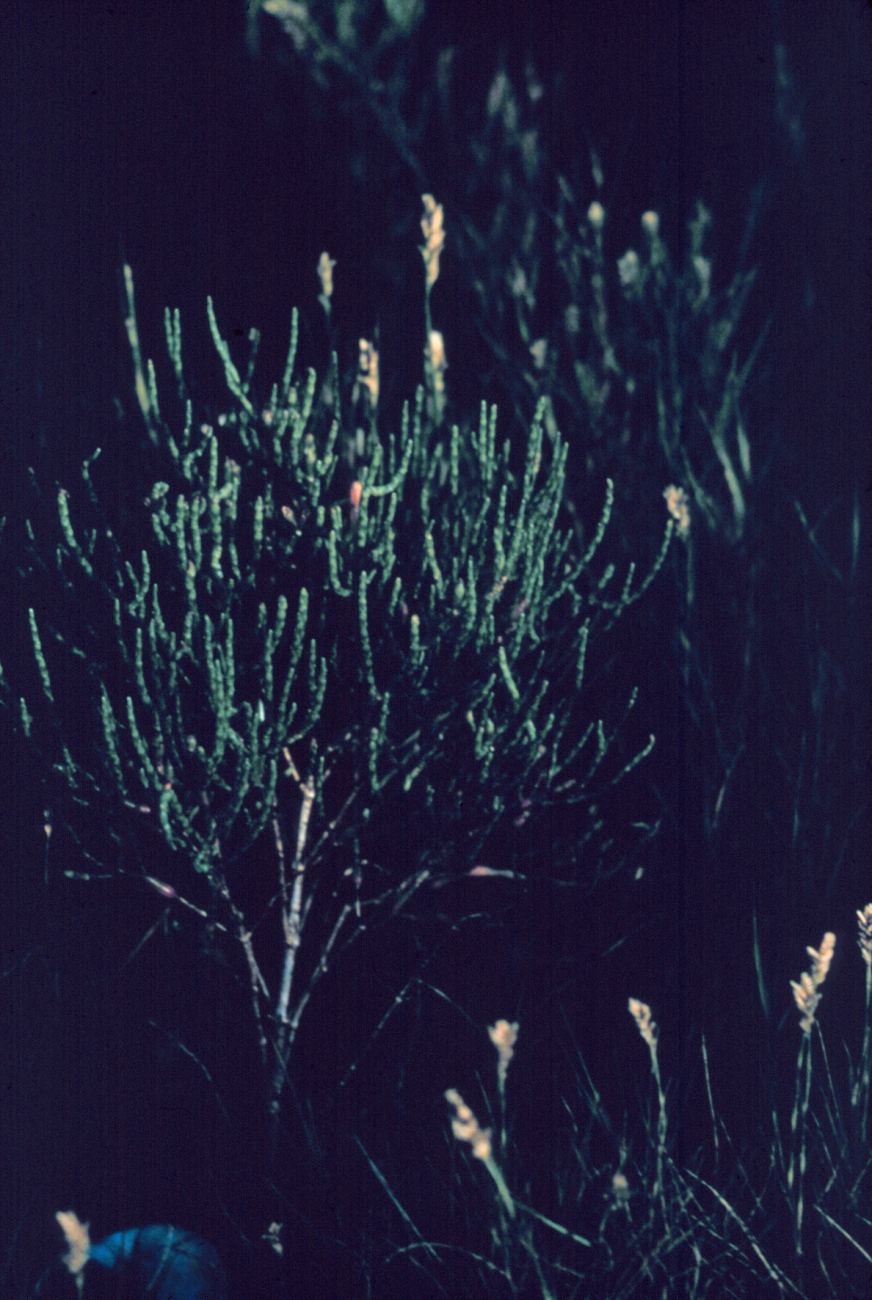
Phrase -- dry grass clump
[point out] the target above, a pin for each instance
(638, 1224)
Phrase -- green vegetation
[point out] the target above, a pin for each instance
(325, 664)
(325, 631)
(633, 1221)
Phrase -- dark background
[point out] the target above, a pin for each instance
(152, 134)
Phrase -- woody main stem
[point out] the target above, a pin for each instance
(291, 920)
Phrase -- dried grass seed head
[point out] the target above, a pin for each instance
(325, 274)
(77, 1238)
(807, 999)
(596, 215)
(434, 236)
(465, 1126)
(504, 1036)
(367, 373)
(620, 1190)
(805, 992)
(628, 269)
(651, 223)
(820, 961)
(678, 505)
(641, 1013)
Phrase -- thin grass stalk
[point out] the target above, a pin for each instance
(834, 1113)
(860, 1092)
(861, 1098)
(641, 1013)
(526, 1239)
(503, 1035)
(661, 1139)
(708, 1086)
(800, 1108)
(807, 997)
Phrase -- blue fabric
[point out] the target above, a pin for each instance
(154, 1263)
(161, 1263)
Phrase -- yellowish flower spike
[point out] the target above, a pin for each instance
(465, 1127)
(325, 274)
(651, 223)
(539, 353)
(678, 506)
(437, 352)
(438, 366)
(434, 235)
(503, 1036)
(77, 1238)
(367, 373)
(820, 961)
(806, 999)
(620, 1191)
(641, 1013)
(596, 215)
(628, 268)
(805, 992)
